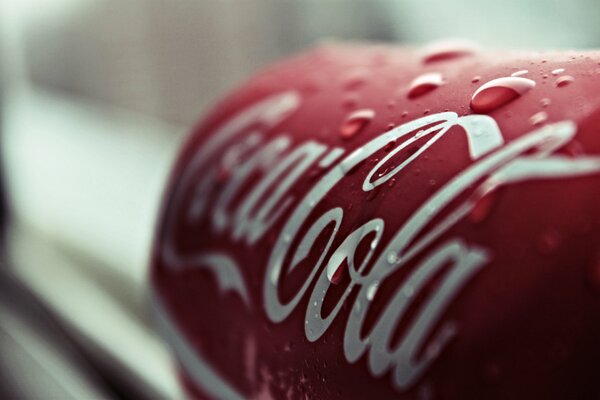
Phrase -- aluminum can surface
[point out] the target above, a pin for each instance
(368, 221)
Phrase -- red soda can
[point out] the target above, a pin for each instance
(368, 221)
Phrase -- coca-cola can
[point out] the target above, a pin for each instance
(369, 221)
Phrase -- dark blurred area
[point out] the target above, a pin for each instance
(95, 98)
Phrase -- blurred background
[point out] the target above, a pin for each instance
(95, 98)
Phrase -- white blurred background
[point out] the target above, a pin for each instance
(95, 97)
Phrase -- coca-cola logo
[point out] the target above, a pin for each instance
(280, 164)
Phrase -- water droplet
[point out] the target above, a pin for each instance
(391, 104)
(274, 276)
(391, 182)
(548, 241)
(426, 111)
(373, 244)
(334, 273)
(352, 162)
(356, 78)
(408, 290)
(356, 122)
(564, 80)
(424, 84)
(476, 79)
(520, 73)
(498, 92)
(357, 306)
(350, 101)
(485, 197)
(372, 290)
(404, 114)
(392, 258)
(389, 146)
(573, 149)
(287, 238)
(538, 118)
(316, 303)
(371, 195)
(545, 102)
(314, 173)
(558, 71)
(448, 49)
